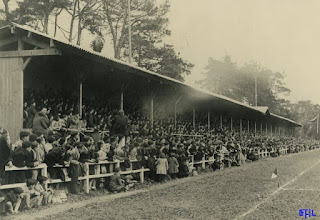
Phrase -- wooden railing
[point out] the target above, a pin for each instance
(44, 172)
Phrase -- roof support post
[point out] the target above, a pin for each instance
(175, 113)
(240, 126)
(220, 121)
(208, 120)
(194, 117)
(255, 128)
(151, 112)
(248, 126)
(266, 128)
(80, 99)
(231, 124)
(121, 98)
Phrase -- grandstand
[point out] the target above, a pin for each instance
(33, 60)
(60, 105)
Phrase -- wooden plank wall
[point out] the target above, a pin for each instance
(11, 96)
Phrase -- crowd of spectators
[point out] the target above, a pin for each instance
(58, 137)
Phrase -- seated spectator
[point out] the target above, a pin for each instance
(24, 136)
(116, 183)
(42, 187)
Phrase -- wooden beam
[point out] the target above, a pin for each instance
(52, 43)
(34, 42)
(8, 41)
(30, 53)
(25, 64)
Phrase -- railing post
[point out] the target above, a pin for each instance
(87, 180)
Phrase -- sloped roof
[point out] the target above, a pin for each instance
(148, 73)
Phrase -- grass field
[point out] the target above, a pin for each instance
(226, 194)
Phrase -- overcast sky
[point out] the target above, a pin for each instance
(283, 35)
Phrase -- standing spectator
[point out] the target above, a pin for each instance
(41, 123)
(4, 151)
(162, 167)
(120, 124)
(173, 166)
(31, 114)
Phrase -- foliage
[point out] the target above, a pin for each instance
(238, 82)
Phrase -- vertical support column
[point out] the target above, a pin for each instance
(121, 99)
(194, 117)
(261, 128)
(87, 180)
(279, 131)
(11, 96)
(248, 126)
(240, 125)
(80, 100)
(208, 120)
(175, 113)
(231, 124)
(220, 121)
(266, 128)
(255, 128)
(175, 116)
(151, 112)
(271, 129)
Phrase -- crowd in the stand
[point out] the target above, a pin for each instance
(64, 142)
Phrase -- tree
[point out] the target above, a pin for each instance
(36, 13)
(85, 12)
(5, 13)
(149, 24)
(227, 78)
(165, 61)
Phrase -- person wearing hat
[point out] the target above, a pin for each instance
(22, 157)
(116, 183)
(24, 136)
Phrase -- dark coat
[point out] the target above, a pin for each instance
(31, 114)
(21, 158)
(4, 151)
(41, 124)
(120, 125)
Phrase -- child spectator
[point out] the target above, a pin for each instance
(46, 192)
(13, 200)
(116, 183)
(162, 167)
(35, 194)
(173, 166)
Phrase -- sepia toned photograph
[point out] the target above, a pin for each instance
(159, 109)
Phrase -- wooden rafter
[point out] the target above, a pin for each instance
(25, 63)
(30, 53)
(34, 42)
(8, 41)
